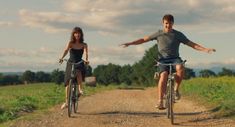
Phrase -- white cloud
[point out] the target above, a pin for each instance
(41, 52)
(44, 20)
(116, 55)
(126, 16)
(226, 63)
(14, 66)
(6, 23)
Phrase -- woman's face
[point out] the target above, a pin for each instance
(77, 35)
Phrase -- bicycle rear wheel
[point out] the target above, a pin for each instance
(70, 97)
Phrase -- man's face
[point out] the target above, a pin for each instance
(167, 25)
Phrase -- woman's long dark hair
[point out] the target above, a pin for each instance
(79, 30)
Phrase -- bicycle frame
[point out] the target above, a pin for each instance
(72, 89)
(169, 94)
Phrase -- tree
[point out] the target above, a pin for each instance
(28, 76)
(42, 77)
(107, 74)
(57, 76)
(226, 72)
(10, 80)
(206, 73)
(125, 75)
(1, 78)
(144, 69)
(189, 73)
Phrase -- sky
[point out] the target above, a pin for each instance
(34, 33)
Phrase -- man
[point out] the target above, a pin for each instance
(168, 40)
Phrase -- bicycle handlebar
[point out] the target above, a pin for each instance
(169, 64)
(77, 63)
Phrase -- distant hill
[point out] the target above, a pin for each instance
(12, 73)
(214, 69)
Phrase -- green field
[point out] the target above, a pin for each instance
(215, 93)
(18, 100)
(21, 99)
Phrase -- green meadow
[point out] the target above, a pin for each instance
(21, 100)
(217, 94)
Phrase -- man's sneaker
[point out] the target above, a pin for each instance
(160, 106)
(64, 105)
(177, 95)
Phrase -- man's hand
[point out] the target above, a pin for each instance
(211, 50)
(124, 45)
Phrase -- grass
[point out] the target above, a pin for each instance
(20, 100)
(216, 93)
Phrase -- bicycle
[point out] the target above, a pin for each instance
(169, 96)
(73, 94)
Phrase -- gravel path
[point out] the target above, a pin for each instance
(126, 108)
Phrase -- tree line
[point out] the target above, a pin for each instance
(56, 76)
(140, 73)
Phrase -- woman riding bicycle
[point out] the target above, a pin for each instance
(76, 47)
(168, 41)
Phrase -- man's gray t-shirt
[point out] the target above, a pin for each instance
(168, 43)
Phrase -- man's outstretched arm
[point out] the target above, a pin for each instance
(136, 42)
(200, 48)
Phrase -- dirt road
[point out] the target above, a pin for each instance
(126, 108)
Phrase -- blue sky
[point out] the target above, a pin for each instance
(35, 32)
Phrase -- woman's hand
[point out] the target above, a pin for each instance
(61, 60)
(86, 62)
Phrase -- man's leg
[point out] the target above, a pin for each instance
(178, 79)
(162, 87)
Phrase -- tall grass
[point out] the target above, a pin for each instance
(218, 93)
(18, 100)
(21, 99)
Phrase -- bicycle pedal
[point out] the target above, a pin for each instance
(162, 108)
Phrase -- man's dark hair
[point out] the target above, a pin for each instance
(168, 17)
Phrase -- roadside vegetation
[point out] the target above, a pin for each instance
(20, 100)
(216, 93)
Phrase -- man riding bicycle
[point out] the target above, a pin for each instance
(169, 40)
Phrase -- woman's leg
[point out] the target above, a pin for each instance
(79, 81)
(66, 92)
(64, 105)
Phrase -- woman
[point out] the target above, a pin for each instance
(76, 47)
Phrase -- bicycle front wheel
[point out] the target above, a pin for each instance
(171, 100)
(75, 100)
(70, 97)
